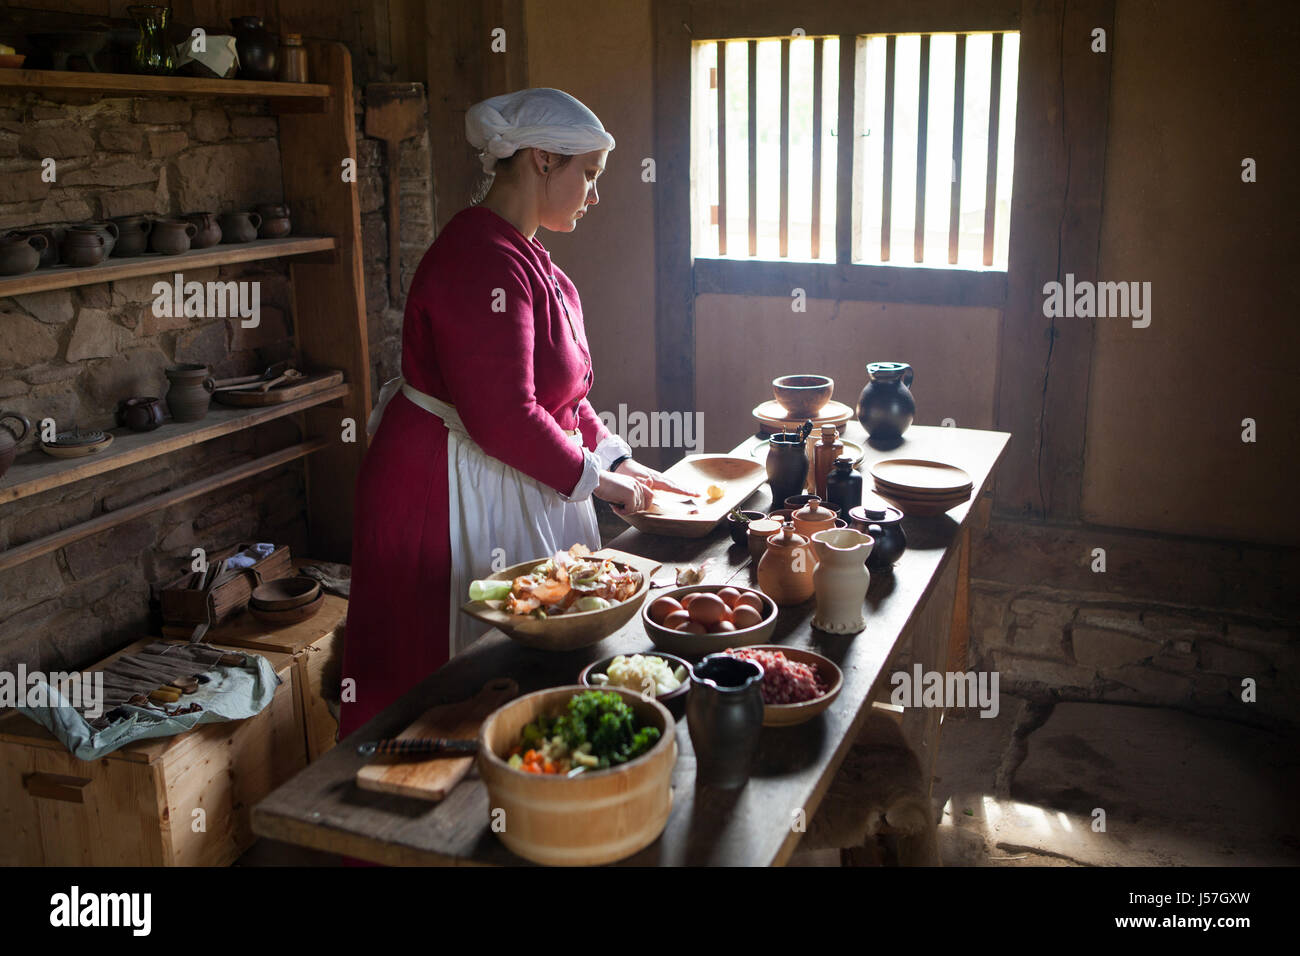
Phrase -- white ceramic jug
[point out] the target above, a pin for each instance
(841, 579)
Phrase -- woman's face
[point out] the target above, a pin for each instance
(568, 190)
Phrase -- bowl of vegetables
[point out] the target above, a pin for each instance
(725, 617)
(577, 776)
(662, 676)
(570, 600)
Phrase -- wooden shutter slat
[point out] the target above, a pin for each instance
(784, 227)
(991, 173)
(753, 147)
(887, 184)
(958, 111)
(722, 147)
(922, 134)
(816, 244)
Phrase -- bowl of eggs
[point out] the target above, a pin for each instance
(708, 618)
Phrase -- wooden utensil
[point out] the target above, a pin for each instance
(273, 371)
(434, 778)
(394, 112)
(287, 392)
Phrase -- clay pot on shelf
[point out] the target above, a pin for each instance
(171, 237)
(785, 573)
(190, 393)
(813, 517)
(787, 464)
(209, 230)
(140, 414)
(240, 226)
(293, 59)
(83, 246)
(886, 407)
(803, 396)
(20, 254)
(844, 486)
(275, 221)
(841, 580)
(108, 230)
(885, 524)
(724, 715)
(9, 438)
(50, 254)
(256, 47)
(132, 235)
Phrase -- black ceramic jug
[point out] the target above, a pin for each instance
(886, 407)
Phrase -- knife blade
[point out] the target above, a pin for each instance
(419, 745)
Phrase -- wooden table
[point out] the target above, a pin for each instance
(322, 808)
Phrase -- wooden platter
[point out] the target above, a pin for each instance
(738, 477)
(772, 417)
(915, 475)
(431, 778)
(316, 382)
(77, 451)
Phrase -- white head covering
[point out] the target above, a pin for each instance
(543, 118)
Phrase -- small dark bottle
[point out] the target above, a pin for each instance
(843, 486)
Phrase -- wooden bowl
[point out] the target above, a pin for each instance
(12, 61)
(289, 616)
(803, 396)
(695, 646)
(674, 700)
(597, 817)
(787, 715)
(565, 632)
(283, 594)
(922, 507)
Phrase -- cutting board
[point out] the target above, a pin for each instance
(281, 394)
(737, 477)
(431, 778)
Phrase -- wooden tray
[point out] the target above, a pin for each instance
(317, 382)
(772, 417)
(738, 477)
(190, 606)
(431, 778)
(77, 451)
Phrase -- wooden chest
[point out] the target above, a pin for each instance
(174, 801)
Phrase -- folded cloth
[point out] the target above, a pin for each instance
(335, 578)
(250, 556)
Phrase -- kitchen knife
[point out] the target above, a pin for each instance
(419, 745)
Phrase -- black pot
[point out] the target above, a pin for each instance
(256, 47)
(740, 529)
(885, 524)
(886, 407)
(787, 464)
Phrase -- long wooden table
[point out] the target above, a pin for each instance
(322, 807)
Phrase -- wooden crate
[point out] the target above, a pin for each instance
(186, 605)
(316, 646)
(135, 807)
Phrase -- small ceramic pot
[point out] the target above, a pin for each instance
(257, 49)
(785, 572)
(20, 254)
(813, 517)
(190, 393)
(209, 229)
(724, 713)
(140, 414)
(50, 254)
(740, 529)
(803, 396)
(106, 229)
(757, 535)
(171, 237)
(841, 580)
(886, 407)
(132, 235)
(9, 438)
(885, 524)
(275, 221)
(843, 486)
(239, 226)
(83, 246)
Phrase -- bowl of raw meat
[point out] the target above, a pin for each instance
(797, 684)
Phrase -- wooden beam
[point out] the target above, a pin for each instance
(846, 156)
(816, 238)
(753, 147)
(716, 19)
(922, 135)
(958, 114)
(991, 167)
(722, 147)
(1061, 118)
(784, 228)
(887, 174)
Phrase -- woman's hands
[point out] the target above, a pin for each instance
(654, 479)
(626, 493)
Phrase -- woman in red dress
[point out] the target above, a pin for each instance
(488, 451)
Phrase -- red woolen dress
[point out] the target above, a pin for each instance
(490, 451)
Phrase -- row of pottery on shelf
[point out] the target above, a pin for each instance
(88, 244)
(886, 406)
(830, 563)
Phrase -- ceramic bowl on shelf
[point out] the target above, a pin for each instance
(803, 396)
(284, 594)
(674, 700)
(12, 61)
(290, 615)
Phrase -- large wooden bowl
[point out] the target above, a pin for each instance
(566, 632)
(594, 818)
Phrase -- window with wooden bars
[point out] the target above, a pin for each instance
(931, 122)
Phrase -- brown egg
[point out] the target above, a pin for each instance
(688, 598)
(708, 609)
(729, 596)
(721, 627)
(752, 599)
(676, 619)
(693, 627)
(745, 616)
(662, 607)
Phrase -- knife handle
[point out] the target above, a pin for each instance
(417, 745)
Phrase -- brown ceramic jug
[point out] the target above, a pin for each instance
(50, 255)
(240, 226)
(84, 246)
(171, 237)
(209, 230)
(190, 393)
(9, 438)
(20, 254)
(275, 221)
(106, 229)
(132, 235)
(785, 573)
(140, 414)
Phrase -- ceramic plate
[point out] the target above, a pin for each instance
(772, 415)
(914, 474)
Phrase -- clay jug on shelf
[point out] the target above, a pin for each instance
(785, 573)
(841, 580)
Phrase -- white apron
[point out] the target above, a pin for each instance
(497, 515)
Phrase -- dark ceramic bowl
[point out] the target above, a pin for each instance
(803, 396)
(740, 529)
(674, 700)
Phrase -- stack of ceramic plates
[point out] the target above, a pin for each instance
(921, 488)
(76, 443)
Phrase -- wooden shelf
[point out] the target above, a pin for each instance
(66, 277)
(36, 471)
(137, 85)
